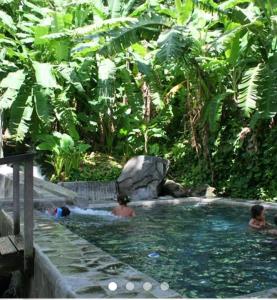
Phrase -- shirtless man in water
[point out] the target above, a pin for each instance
(123, 210)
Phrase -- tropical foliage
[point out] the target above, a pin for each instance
(191, 80)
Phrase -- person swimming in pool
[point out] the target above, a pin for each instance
(123, 210)
(58, 212)
(257, 220)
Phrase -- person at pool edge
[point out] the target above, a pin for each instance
(123, 210)
(257, 220)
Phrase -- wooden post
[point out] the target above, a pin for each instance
(16, 202)
(28, 218)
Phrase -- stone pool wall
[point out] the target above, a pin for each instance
(44, 191)
(47, 281)
(92, 191)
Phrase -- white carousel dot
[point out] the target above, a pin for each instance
(112, 286)
(164, 286)
(130, 286)
(147, 286)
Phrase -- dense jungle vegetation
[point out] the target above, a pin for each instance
(90, 83)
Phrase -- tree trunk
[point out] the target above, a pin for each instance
(147, 101)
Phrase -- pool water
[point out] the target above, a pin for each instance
(199, 250)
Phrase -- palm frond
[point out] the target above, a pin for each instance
(212, 111)
(115, 7)
(249, 89)
(6, 21)
(268, 103)
(225, 39)
(97, 27)
(231, 3)
(20, 117)
(106, 77)
(184, 10)
(172, 45)
(12, 83)
(42, 104)
(44, 75)
(145, 28)
(127, 7)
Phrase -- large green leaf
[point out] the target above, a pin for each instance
(40, 31)
(212, 111)
(13, 80)
(42, 104)
(7, 99)
(44, 75)
(66, 141)
(106, 76)
(20, 117)
(115, 7)
(49, 142)
(127, 7)
(172, 45)
(66, 114)
(7, 21)
(143, 29)
(184, 10)
(268, 103)
(249, 89)
(99, 26)
(107, 69)
(231, 3)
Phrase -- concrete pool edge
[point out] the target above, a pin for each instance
(176, 201)
(87, 269)
(67, 266)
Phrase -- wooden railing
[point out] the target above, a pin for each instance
(16, 161)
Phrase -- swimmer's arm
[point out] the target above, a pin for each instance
(133, 213)
(253, 225)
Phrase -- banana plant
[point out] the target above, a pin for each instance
(65, 156)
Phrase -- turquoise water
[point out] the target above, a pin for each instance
(203, 250)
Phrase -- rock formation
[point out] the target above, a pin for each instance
(174, 189)
(142, 176)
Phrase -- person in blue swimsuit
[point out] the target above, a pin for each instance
(60, 212)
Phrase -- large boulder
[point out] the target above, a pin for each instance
(142, 176)
(172, 188)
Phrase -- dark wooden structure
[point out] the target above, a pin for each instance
(17, 253)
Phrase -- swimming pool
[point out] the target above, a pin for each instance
(199, 250)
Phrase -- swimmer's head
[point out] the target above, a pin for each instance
(257, 211)
(122, 200)
(65, 211)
